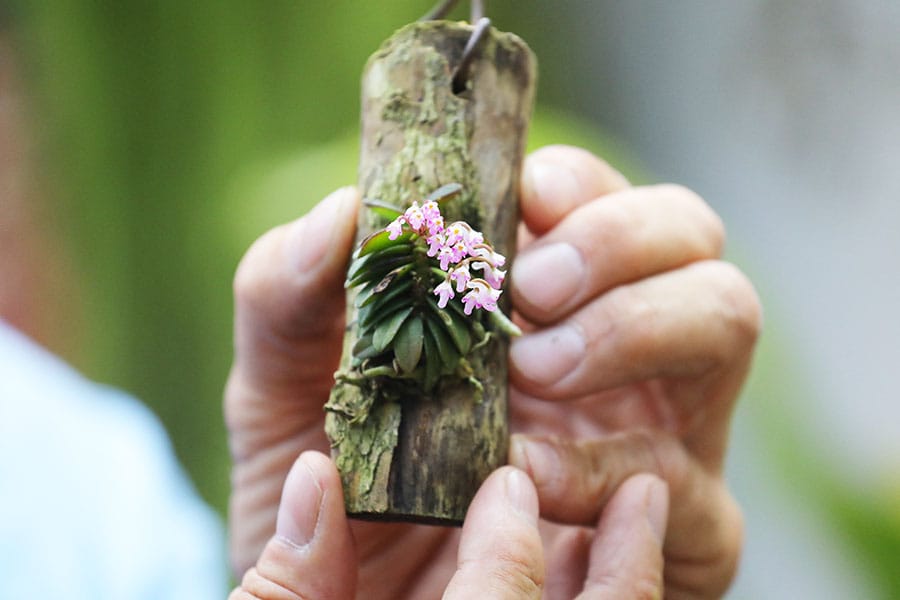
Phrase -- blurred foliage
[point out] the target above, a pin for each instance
(867, 520)
(174, 133)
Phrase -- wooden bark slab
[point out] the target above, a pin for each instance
(422, 458)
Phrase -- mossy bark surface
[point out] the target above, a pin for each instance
(422, 457)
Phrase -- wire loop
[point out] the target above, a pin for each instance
(482, 24)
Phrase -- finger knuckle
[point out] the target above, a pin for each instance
(519, 574)
(710, 568)
(742, 307)
(255, 586)
(666, 453)
(613, 226)
(705, 219)
(731, 542)
(632, 322)
(647, 585)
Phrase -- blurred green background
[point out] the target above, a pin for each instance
(172, 134)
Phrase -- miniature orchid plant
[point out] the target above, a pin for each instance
(409, 274)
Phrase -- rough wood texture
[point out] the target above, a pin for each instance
(422, 459)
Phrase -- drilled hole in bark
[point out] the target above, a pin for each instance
(460, 85)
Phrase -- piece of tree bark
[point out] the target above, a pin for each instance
(423, 458)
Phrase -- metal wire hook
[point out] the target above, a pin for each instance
(443, 9)
(440, 11)
(482, 24)
(461, 75)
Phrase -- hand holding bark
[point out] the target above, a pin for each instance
(638, 341)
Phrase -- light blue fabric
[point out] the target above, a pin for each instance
(93, 503)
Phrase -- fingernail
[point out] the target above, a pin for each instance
(658, 507)
(537, 458)
(547, 356)
(548, 276)
(301, 502)
(520, 494)
(312, 235)
(553, 182)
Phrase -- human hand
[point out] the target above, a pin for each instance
(649, 395)
(500, 555)
(640, 339)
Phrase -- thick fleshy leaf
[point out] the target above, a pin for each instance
(445, 346)
(380, 310)
(362, 344)
(379, 241)
(364, 294)
(386, 330)
(408, 344)
(460, 333)
(377, 269)
(445, 192)
(394, 275)
(387, 293)
(355, 265)
(458, 328)
(383, 209)
(362, 350)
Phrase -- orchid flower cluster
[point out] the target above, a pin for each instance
(459, 250)
(405, 276)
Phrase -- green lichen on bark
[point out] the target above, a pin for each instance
(370, 431)
(435, 145)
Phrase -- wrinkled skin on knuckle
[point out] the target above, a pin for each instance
(648, 585)
(255, 586)
(517, 575)
(707, 221)
(707, 571)
(631, 324)
(731, 542)
(741, 304)
(614, 228)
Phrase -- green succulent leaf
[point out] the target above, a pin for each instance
(408, 344)
(383, 209)
(461, 335)
(456, 327)
(387, 329)
(372, 314)
(445, 192)
(376, 268)
(446, 348)
(363, 350)
(380, 240)
(387, 292)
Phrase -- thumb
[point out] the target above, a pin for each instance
(500, 553)
(289, 294)
(289, 320)
(311, 555)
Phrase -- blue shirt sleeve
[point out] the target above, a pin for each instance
(93, 503)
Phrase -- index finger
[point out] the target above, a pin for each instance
(558, 179)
